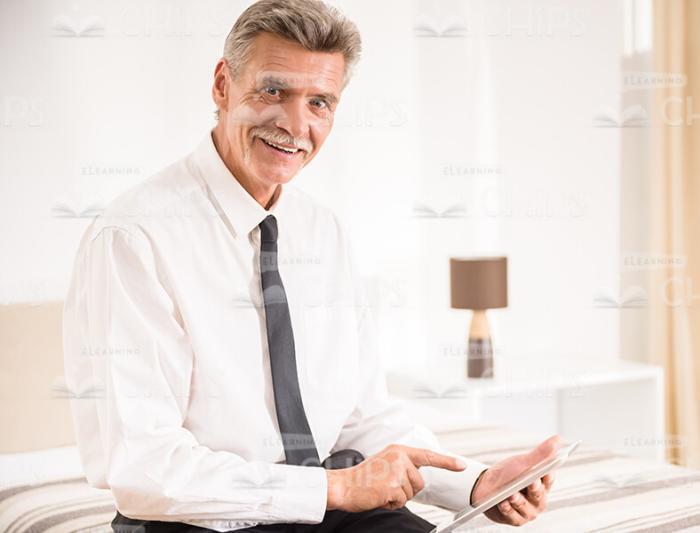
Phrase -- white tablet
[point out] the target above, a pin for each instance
(508, 489)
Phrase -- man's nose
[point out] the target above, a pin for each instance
(294, 119)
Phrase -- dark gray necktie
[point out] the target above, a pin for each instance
(298, 442)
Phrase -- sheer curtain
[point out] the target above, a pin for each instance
(675, 223)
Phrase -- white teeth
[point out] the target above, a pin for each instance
(288, 150)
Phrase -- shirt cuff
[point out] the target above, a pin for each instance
(304, 498)
(448, 489)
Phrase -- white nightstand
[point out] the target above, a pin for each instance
(614, 404)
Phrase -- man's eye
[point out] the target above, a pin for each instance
(320, 103)
(272, 91)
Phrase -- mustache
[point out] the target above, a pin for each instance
(278, 136)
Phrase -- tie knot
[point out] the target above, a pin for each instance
(268, 229)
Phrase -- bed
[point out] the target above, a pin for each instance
(42, 487)
(597, 491)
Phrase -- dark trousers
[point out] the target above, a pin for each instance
(374, 521)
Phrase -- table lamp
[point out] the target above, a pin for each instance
(479, 284)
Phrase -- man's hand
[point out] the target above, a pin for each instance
(387, 479)
(525, 505)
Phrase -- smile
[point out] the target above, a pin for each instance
(280, 148)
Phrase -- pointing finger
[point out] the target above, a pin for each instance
(422, 457)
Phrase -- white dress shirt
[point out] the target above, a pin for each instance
(166, 355)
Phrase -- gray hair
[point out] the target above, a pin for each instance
(313, 24)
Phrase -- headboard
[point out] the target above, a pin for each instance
(34, 410)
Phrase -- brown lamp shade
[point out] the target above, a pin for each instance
(479, 283)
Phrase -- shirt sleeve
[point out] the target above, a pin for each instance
(123, 335)
(379, 420)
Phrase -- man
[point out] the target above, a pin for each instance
(215, 319)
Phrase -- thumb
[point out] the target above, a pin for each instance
(545, 449)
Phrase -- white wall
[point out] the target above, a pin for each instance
(511, 99)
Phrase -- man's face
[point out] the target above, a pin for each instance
(285, 96)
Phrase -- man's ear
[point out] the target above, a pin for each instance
(219, 90)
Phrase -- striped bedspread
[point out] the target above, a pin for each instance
(596, 491)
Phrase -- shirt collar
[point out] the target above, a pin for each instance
(243, 212)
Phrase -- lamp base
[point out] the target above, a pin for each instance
(480, 354)
(480, 358)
